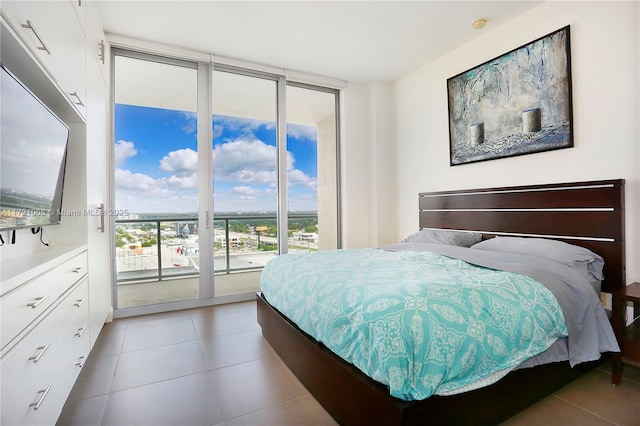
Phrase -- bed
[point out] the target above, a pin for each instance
(583, 214)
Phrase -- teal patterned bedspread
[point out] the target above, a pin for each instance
(419, 322)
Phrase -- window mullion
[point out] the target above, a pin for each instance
(205, 184)
(282, 213)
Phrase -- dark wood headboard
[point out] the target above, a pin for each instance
(588, 214)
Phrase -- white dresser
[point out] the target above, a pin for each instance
(45, 336)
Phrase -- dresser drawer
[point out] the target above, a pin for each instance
(40, 370)
(70, 354)
(22, 306)
(75, 338)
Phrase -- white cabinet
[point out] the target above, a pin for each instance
(80, 8)
(42, 360)
(55, 35)
(55, 300)
(97, 46)
(98, 228)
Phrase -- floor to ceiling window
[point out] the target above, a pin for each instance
(244, 177)
(156, 179)
(312, 176)
(207, 205)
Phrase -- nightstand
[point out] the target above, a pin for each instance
(628, 336)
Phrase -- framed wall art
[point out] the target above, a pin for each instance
(518, 103)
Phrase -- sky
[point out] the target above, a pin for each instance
(156, 163)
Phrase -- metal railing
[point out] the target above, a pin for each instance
(184, 229)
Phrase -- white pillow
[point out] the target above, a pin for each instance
(443, 236)
(579, 258)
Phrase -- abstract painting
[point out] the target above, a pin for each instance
(518, 103)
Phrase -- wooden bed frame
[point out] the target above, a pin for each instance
(589, 214)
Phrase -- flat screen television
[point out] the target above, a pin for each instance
(33, 153)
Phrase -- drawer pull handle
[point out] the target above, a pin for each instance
(77, 269)
(77, 97)
(44, 393)
(81, 361)
(38, 301)
(79, 302)
(30, 26)
(80, 331)
(101, 51)
(102, 215)
(42, 349)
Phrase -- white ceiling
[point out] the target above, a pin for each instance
(357, 41)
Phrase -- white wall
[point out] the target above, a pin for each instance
(605, 76)
(356, 169)
(368, 166)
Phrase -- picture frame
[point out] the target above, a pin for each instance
(517, 103)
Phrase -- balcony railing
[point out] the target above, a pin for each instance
(169, 248)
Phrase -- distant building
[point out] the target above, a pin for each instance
(234, 239)
(311, 237)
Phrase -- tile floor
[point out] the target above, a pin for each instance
(211, 366)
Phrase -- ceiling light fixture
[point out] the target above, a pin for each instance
(479, 23)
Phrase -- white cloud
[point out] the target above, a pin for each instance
(183, 162)
(183, 182)
(297, 177)
(123, 151)
(246, 190)
(300, 131)
(246, 161)
(126, 180)
(254, 162)
(191, 119)
(244, 125)
(217, 130)
(140, 193)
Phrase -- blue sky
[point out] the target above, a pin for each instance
(156, 163)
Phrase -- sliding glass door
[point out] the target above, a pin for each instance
(245, 178)
(217, 170)
(312, 176)
(156, 180)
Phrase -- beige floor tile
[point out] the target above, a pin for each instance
(96, 377)
(114, 325)
(158, 364)
(595, 393)
(110, 342)
(188, 400)
(631, 373)
(85, 412)
(226, 308)
(233, 349)
(304, 411)
(562, 413)
(159, 318)
(213, 323)
(159, 333)
(252, 386)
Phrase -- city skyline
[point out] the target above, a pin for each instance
(156, 163)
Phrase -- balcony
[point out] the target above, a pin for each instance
(152, 269)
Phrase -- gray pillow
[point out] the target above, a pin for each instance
(579, 258)
(438, 236)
